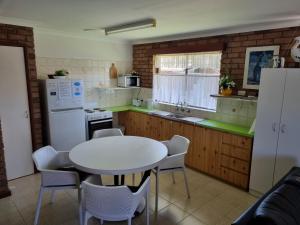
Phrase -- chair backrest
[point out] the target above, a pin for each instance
(113, 202)
(45, 158)
(107, 133)
(178, 144)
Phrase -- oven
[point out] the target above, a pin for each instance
(98, 124)
(97, 119)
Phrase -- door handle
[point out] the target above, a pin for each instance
(26, 115)
(283, 128)
(274, 127)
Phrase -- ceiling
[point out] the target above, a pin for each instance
(173, 17)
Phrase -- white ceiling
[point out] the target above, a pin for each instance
(174, 17)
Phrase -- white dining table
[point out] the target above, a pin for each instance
(118, 155)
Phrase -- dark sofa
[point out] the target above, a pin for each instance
(279, 206)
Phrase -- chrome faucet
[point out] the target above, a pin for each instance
(181, 107)
(177, 106)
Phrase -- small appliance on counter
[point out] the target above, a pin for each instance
(128, 80)
(63, 112)
(97, 119)
(137, 102)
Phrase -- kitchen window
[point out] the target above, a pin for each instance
(189, 79)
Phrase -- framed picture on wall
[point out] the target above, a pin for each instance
(256, 59)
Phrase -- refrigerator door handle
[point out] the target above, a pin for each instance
(283, 128)
(274, 127)
(67, 109)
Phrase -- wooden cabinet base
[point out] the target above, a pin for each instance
(221, 155)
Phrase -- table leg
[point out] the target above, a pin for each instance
(122, 179)
(116, 180)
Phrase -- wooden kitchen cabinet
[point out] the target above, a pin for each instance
(235, 160)
(222, 155)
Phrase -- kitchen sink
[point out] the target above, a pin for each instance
(177, 116)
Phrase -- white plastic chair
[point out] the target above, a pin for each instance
(177, 148)
(107, 133)
(47, 160)
(112, 203)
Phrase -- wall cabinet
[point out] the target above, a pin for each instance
(222, 155)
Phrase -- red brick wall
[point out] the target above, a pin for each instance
(11, 35)
(4, 191)
(233, 57)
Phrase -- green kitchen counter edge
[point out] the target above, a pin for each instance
(213, 124)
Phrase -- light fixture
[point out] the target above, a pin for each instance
(147, 23)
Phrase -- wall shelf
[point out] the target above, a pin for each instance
(236, 97)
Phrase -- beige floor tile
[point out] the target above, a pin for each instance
(212, 202)
(207, 215)
(172, 214)
(195, 202)
(191, 220)
(224, 221)
(162, 203)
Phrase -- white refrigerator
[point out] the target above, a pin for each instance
(64, 113)
(276, 147)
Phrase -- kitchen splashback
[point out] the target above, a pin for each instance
(94, 73)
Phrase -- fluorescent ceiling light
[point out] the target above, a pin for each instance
(147, 23)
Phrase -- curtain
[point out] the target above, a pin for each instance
(187, 78)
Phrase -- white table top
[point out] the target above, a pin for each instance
(118, 155)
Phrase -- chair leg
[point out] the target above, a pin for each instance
(156, 190)
(86, 217)
(129, 221)
(173, 177)
(81, 214)
(147, 208)
(81, 219)
(186, 183)
(133, 179)
(38, 207)
(52, 196)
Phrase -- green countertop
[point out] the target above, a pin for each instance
(226, 127)
(213, 124)
(129, 107)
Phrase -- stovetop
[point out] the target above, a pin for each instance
(97, 113)
(95, 110)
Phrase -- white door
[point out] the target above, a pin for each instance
(14, 113)
(288, 152)
(67, 128)
(267, 129)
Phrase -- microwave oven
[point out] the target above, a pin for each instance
(128, 81)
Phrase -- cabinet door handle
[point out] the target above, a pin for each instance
(283, 128)
(274, 127)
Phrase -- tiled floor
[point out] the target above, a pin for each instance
(212, 203)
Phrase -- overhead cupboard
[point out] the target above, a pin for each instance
(276, 147)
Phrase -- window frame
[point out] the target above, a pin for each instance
(186, 74)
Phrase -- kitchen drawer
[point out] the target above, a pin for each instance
(235, 164)
(226, 138)
(236, 152)
(242, 142)
(236, 178)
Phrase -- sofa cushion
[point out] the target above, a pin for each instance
(281, 207)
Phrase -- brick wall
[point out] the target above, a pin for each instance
(233, 57)
(4, 191)
(11, 35)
